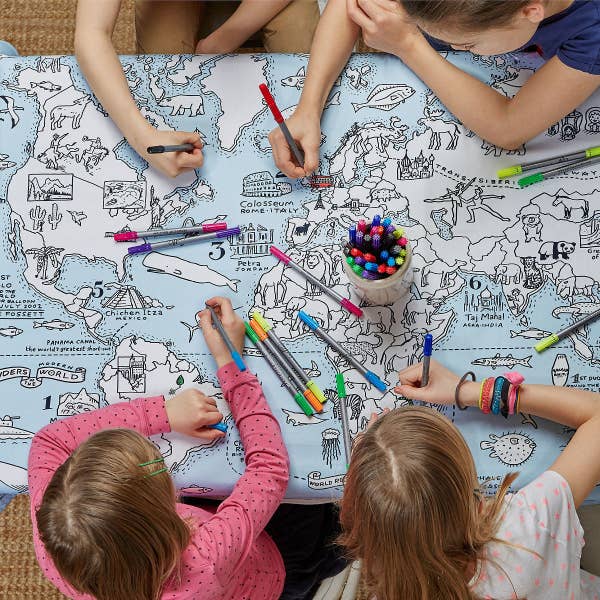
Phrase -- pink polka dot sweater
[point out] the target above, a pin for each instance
(229, 556)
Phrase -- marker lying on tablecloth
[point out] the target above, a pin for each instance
(296, 395)
(427, 349)
(276, 354)
(368, 375)
(173, 148)
(341, 391)
(556, 337)
(537, 177)
(131, 236)
(309, 383)
(184, 240)
(349, 306)
(548, 162)
(298, 154)
(237, 359)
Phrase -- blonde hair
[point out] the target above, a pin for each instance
(411, 510)
(111, 529)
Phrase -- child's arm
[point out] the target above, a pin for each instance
(188, 412)
(334, 39)
(99, 63)
(578, 463)
(550, 94)
(227, 537)
(249, 17)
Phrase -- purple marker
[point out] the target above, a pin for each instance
(369, 275)
(359, 239)
(143, 248)
(376, 241)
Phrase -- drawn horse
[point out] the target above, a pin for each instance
(569, 204)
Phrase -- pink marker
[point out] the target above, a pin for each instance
(283, 257)
(131, 236)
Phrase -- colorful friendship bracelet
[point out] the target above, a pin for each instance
(498, 395)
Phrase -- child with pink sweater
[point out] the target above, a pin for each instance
(106, 518)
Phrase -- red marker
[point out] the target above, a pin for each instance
(282, 256)
(280, 121)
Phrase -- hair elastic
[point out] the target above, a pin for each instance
(462, 380)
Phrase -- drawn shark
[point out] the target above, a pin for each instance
(502, 361)
(156, 262)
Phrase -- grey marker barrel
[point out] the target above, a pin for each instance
(175, 231)
(544, 162)
(217, 323)
(315, 281)
(276, 368)
(293, 363)
(338, 348)
(575, 326)
(579, 164)
(346, 427)
(285, 366)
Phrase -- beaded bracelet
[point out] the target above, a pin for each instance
(485, 395)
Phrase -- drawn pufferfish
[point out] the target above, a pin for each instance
(510, 448)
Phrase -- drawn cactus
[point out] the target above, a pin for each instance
(37, 214)
(55, 217)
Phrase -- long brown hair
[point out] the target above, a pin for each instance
(409, 510)
(111, 529)
(467, 15)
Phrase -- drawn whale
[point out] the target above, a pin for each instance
(156, 262)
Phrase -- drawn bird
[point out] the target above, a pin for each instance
(77, 216)
(11, 109)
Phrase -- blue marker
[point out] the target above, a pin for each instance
(237, 359)
(427, 347)
(368, 375)
(220, 426)
(352, 234)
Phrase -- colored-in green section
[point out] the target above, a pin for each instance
(531, 179)
(546, 342)
(509, 172)
(341, 386)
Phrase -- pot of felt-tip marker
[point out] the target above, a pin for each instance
(377, 260)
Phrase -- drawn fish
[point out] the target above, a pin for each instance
(534, 334)
(297, 80)
(560, 370)
(54, 324)
(11, 331)
(46, 85)
(511, 448)
(502, 361)
(156, 262)
(299, 418)
(386, 96)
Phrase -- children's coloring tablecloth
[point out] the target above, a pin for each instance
(495, 268)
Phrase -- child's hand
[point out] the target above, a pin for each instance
(384, 23)
(171, 163)
(439, 390)
(233, 325)
(306, 130)
(191, 411)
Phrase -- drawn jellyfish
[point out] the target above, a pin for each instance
(330, 446)
(510, 448)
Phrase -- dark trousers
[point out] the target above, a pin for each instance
(304, 535)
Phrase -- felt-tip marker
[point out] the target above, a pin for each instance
(182, 241)
(131, 236)
(427, 348)
(556, 337)
(172, 148)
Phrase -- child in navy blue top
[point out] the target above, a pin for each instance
(565, 32)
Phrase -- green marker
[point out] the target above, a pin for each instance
(341, 391)
(537, 177)
(556, 337)
(310, 384)
(547, 162)
(298, 397)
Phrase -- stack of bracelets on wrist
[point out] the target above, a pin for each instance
(500, 395)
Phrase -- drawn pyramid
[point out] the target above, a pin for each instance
(126, 297)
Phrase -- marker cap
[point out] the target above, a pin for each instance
(531, 179)
(546, 342)
(427, 345)
(591, 152)
(302, 402)
(258, 330)
(351, 307)
(510, 172)
(220, 426)
(139, 249)
(312, 386)
(282, 256)
(380, 385)
(308, 320)
(261, 321)
(270, 102)
(228, 232)
(210, 227)
(125, 236)
(313, 401)
(250, 333)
